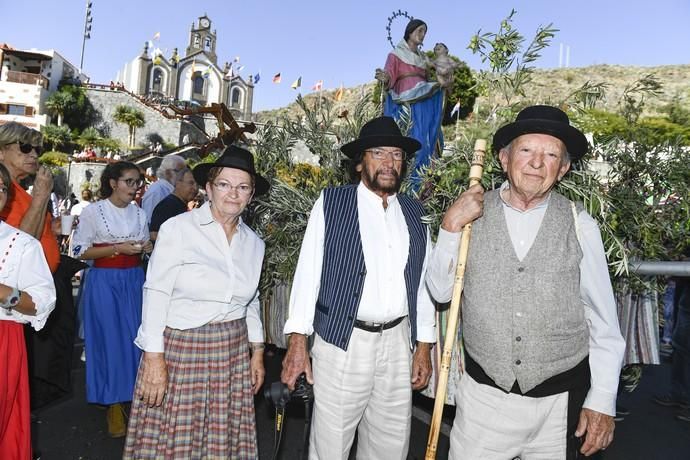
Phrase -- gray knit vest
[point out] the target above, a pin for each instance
(524, 320)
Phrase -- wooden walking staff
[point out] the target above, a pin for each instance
(476, 171)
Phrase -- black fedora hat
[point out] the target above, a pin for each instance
(543, 119)
(233, 157)
(380, 132)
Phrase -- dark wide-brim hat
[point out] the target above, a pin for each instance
(543, 119)
(380, 132)
(232, 157)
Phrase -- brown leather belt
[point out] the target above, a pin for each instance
(377, 327)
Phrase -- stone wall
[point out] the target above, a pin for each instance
(172, 131)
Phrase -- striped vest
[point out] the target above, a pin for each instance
(344, 270)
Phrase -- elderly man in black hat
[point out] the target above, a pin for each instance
(543, 347)
(359, 285)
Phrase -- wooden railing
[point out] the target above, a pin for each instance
(27, 78)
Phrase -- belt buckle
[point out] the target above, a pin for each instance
(380, 328)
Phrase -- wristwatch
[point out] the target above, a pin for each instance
(11, 301)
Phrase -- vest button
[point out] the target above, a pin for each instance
(518, 362)
(518, 338)
(521, 269)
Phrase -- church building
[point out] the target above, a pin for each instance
(196, 76)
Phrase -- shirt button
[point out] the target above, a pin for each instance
(518, 362)
(521, 269)
(518, 338)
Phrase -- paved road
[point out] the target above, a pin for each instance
(71, 429)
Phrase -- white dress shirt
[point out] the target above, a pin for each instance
(385, 244)
(25, 268)
(606, 344)
(196, 277)
(153, 195)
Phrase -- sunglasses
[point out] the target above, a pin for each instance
(27, 148)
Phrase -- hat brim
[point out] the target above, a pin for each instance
(356, 147)
(200, 173)
(575, 142)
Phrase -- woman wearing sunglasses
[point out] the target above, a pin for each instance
(27, 296)
(113, 233)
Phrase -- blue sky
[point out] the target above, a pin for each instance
(342, 42)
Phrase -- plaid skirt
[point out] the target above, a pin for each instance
(208, 410)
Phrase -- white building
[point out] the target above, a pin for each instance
(194, 77)
(27, 78)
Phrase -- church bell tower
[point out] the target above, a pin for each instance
(202, 38)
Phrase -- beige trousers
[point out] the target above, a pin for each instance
(493, 425)
(368, 386)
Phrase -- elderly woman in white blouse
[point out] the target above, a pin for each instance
(201, 332)
(27, 296)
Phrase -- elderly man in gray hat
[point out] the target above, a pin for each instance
(543, 346)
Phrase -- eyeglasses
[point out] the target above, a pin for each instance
(27, 148)
(378, 154)
(132, 182)
(241, 189)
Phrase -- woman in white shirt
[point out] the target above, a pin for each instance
(27, 296)
(113, 233)
(201, 332)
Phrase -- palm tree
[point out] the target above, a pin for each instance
(56, 136)
(57, 103)
(90, 136)
(131, 117)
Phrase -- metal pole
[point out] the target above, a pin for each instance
(660, 268)
(86, 34)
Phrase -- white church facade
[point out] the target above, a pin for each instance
(194, 77)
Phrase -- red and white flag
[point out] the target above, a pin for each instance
(318, 85)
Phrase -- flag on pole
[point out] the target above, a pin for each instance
(157, 36)
(193, 67)
(456, 108)
(317, 86)
(257, 77)
(297, 83)
(276, 78)
(207, 72)
(339, 93)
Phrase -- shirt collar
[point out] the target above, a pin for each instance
(366, 194)
(204, 217)
(506, 185)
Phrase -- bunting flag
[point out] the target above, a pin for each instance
(456, 108)
(297, 83)
(276, 78)
(239, 68)
(207, 72)
(317, 86)
(157, 36)
(257, 77)
(193, 67)
(237, 59)
(157, 60)
(339, 93)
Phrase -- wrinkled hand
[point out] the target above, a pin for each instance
(154, 380)
(421, 366)
(382, 76)
(43, 183)
(256, 368)
(599, 428)
(296, 361)
(129, 248)
(468, 207)
(146, 246)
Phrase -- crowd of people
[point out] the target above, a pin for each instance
(172, 322)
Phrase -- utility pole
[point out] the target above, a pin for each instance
(88, 19)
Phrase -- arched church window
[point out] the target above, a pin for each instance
(157, 81)
(197, 40)
(207, 44)
(235, 97)
(197, 83)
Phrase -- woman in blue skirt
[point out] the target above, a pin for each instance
(113, 233)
